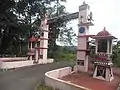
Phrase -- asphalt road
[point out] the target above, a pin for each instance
(27, 78)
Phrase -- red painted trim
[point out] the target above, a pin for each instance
(40, 48)
(45, 30)
(85, 36)
(100, 58)
(33, 40)
(86, 24)
(82, 50)
(44, 38)
(30, 54)
(100, 37)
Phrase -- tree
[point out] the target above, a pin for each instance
(67, 36)
(116, 54)
(30, 12)
(7, 23)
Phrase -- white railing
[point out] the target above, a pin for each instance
(13, 58)
(52, 79)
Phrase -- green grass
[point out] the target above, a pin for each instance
(44, 87)
(65, 57)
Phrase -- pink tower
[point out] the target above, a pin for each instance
(38, 47)
(42, 48)
(85, 20)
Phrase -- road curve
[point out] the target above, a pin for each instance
(27, 78)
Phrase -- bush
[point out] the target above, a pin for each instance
(116, 56)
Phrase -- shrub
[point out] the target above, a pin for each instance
(65, 56)
(44, 87)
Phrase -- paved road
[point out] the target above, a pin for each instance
(27, 78)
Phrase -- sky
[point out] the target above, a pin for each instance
(106, 13)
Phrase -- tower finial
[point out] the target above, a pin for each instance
(83, 2)
(104, 28)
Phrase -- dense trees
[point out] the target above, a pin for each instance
(20, 19)
(7, 24)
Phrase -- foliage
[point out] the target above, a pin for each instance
(116, 54)
(65, 53)
(67, 36)
(7, 24)
(21, 19)
(65, 57)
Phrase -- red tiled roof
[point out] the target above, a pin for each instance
(104, 33)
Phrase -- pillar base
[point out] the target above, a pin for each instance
(103, 73)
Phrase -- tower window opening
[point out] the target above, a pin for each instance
(42, 34)
(102, 46)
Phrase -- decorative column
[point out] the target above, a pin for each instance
(30, 50)
(96, 46)
(31, 45)
(111, 46)
(108, 46)
(36, 56)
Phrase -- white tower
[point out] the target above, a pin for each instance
(85, 18)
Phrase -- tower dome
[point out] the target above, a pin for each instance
(104, 33)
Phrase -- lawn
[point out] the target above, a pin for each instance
(44, 87)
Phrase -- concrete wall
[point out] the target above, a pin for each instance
(13, 58)
(52, 79)
(16, 64)
(45, 61)
(79, 68)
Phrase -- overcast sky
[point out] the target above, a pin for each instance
(106, 13)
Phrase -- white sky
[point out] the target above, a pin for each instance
(105, 13)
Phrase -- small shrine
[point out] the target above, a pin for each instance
(31, 50)
(103, 56)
